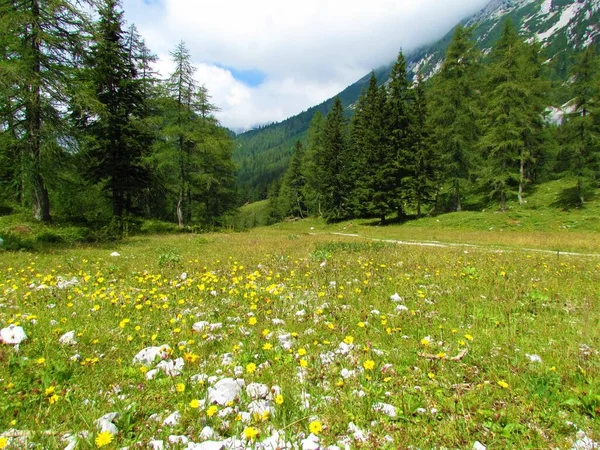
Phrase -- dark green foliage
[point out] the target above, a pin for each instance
(581, 133)
(312, 165)
(454, 112)
(291, 194)
(333, 166)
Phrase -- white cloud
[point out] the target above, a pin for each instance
(308, 50)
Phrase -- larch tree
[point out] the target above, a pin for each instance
(41, 43)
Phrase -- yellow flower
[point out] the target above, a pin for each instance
(303, 363)
(302, 351)
(369, 364)
(348, 340)
(431, 375)
(40, 360)
(180, 387)
(315, 427)
(468, 337)
(252, 321)
(211, 411)
(3, 442)
(279, 399)
(103, 439)
(250, 368)
(53, 399)
(503, 384)
(361, 324)
(195, 403)
(425, 342)
(267, 346)
(250, 432)
(49, 390)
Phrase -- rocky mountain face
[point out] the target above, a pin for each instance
(563, 27)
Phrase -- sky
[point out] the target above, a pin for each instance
(265, 60)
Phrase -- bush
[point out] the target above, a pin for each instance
(49, 237)
(5, 210)
(13, 242)
(157, 226)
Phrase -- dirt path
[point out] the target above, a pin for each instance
(472, 246)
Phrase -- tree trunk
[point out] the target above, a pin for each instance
(33, 118)
(522, 182)
(179, 210)
(457, 195)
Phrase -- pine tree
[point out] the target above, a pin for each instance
(397, 124)
(582, 128)
(119, 139)
(333, 165)
(372, 164)
(508, 121)
(42, 42)
(423, 168)
(454, 111)
(312, 165)
(291, 194)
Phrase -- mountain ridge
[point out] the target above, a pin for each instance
(561, 26)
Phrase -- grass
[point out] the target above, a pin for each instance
(327, 297)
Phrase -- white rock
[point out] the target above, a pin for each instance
(257, 390)
(208, 433)
(172, 420)
(62, 283)
(479, 446)
(385, 408)
(583, 442)
(151, 374)
(12, 335)
(172, 367)
(178, 439)
(345, 373)
(148, 355)
(68, 338)
(357, 433)
(183, 276)
(113, 254)
(285, 340)
(534, 358)
(261, 407)
(401, 308)
(227, 359)
(344, 348)
(199, 327)
(310, 443)
(225, 390)
(105, 423)
(395, 297)
(156, 445)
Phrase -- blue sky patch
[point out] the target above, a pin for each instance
(251, 78)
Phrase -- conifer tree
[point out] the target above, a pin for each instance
(313, 163)
(291, 195)
(118, 137)
(333, 165)
(42, 42)
(397, 124)
(422, 167)
(454, 111)
(508, 121)
(582, 128)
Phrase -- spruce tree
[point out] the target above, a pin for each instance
(507, 121)
(291, 194)
(42, 42)
(454, 112)
(312, 165)
(333, 165)
(118, 137)
(582, 128)
(397, 124)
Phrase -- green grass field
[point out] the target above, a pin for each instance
(361, 342)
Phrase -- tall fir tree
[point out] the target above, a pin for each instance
(42, 42)
(313, 164)
(291, 194)
(397, 125)
(333, 165)
(454, 112)
(582, 128)
(422, 167)
(118, 137)
(507, 122)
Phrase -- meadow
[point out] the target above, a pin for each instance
(290, 336)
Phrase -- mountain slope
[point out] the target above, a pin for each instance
(561, 26)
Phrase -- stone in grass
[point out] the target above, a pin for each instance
(156, 445)
(105, 423)
(261, 407)
(479, 446)
(207, 445)
(12, 335)
(208, 433)
(171, 367)
(68, 338)
(257, 390)
(172, 420)
(178, 439)
(311, 442)
(148, 355)
(386, 409)
(225, 390)
(115, 254)
(395, 297)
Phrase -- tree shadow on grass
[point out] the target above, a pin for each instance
(569, 199)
